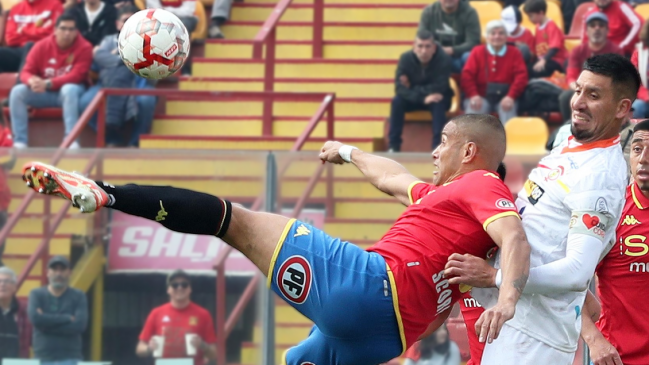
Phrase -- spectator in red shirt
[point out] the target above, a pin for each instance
(54, 75)
(550, 49)
(518, 35)
(29, 21)
(639, 59)
(175, 320)
(623, 23)
(494, 75)
(598, 43)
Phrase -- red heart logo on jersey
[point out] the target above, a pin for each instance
(590, 220)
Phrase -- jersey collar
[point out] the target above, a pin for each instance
(641, 201)
(574, 146)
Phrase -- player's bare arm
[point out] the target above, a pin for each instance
(385, 174)
(507, 232)
(601, 351)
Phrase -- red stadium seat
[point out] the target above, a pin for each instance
(7, 81)
(577, 26)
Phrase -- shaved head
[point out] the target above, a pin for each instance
(487, 132)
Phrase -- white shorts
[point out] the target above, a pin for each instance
(513, 347)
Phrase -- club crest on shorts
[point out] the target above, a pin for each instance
(294, 279)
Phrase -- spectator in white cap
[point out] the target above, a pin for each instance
(518, 35)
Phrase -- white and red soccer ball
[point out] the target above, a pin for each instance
(154, 43)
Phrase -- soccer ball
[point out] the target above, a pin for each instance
(153, 43)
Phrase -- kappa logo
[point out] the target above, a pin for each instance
(294, 279)
(162, 214)
(630, 220)
(505, 204)
(301, 231)
(166, 319)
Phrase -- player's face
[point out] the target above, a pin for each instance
(595, 108)
(639, 159)
(179, 290)
(447, 157)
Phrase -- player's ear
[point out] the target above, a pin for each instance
(469, 152)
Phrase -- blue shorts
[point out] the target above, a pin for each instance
(345, 290)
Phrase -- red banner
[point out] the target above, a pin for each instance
(141, 245)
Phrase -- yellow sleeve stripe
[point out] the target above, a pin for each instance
(410, 190)
(280, 243)
(498, 216)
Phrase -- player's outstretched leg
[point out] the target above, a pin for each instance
(255, 234)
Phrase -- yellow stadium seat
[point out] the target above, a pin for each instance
(8, 4)
(643, 10)
(455, 103)
(554, 13)
(201, 28)
(487, 11)
(526, 136)
(207, 2)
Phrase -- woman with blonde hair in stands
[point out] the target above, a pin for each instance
(494, 75)
(640, 58)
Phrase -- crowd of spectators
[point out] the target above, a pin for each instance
(516, 71)
(53, 319)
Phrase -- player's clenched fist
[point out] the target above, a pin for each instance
(491, 321)
(330, 152)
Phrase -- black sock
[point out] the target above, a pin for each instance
(180, 210)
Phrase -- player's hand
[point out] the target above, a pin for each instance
(403, 80)
(470, 270)
(329, 153)
(491, 321)
(476, 102)
(603, 353)
(433, 98)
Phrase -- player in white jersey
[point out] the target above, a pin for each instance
(570, 207)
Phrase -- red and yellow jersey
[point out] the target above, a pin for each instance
(174, 324)
(549, 36)
(471, 311)
(623, 275)
(442, 220)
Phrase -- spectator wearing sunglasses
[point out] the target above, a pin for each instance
(168, 325)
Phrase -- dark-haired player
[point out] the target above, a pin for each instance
(623, 272)
(368, 306)
(570, 206)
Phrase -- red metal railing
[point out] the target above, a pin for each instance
(267, 36)
(223, 331)
(224, 326)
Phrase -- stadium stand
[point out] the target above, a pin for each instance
(526, 136)
(554, 13)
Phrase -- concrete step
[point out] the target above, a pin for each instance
(244, 143)
(332, 31)
(251, 127)
(332, 13)
(344, 88)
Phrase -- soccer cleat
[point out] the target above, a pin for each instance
(84, 193)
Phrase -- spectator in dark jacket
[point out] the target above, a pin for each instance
(455, 25)
(95, 20)
(114, 74)
(421, 83)
(59, 315)
(15, 329)
(492, 68)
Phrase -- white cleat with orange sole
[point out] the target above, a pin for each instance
(84, 193)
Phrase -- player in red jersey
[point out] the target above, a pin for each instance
(368, 306)
(622, 287)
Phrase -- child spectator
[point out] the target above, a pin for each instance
(494, 75)
(29, 21)
(549, 41)
(114, 74)
(54, 75)
(518, 35)
(95, 20)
